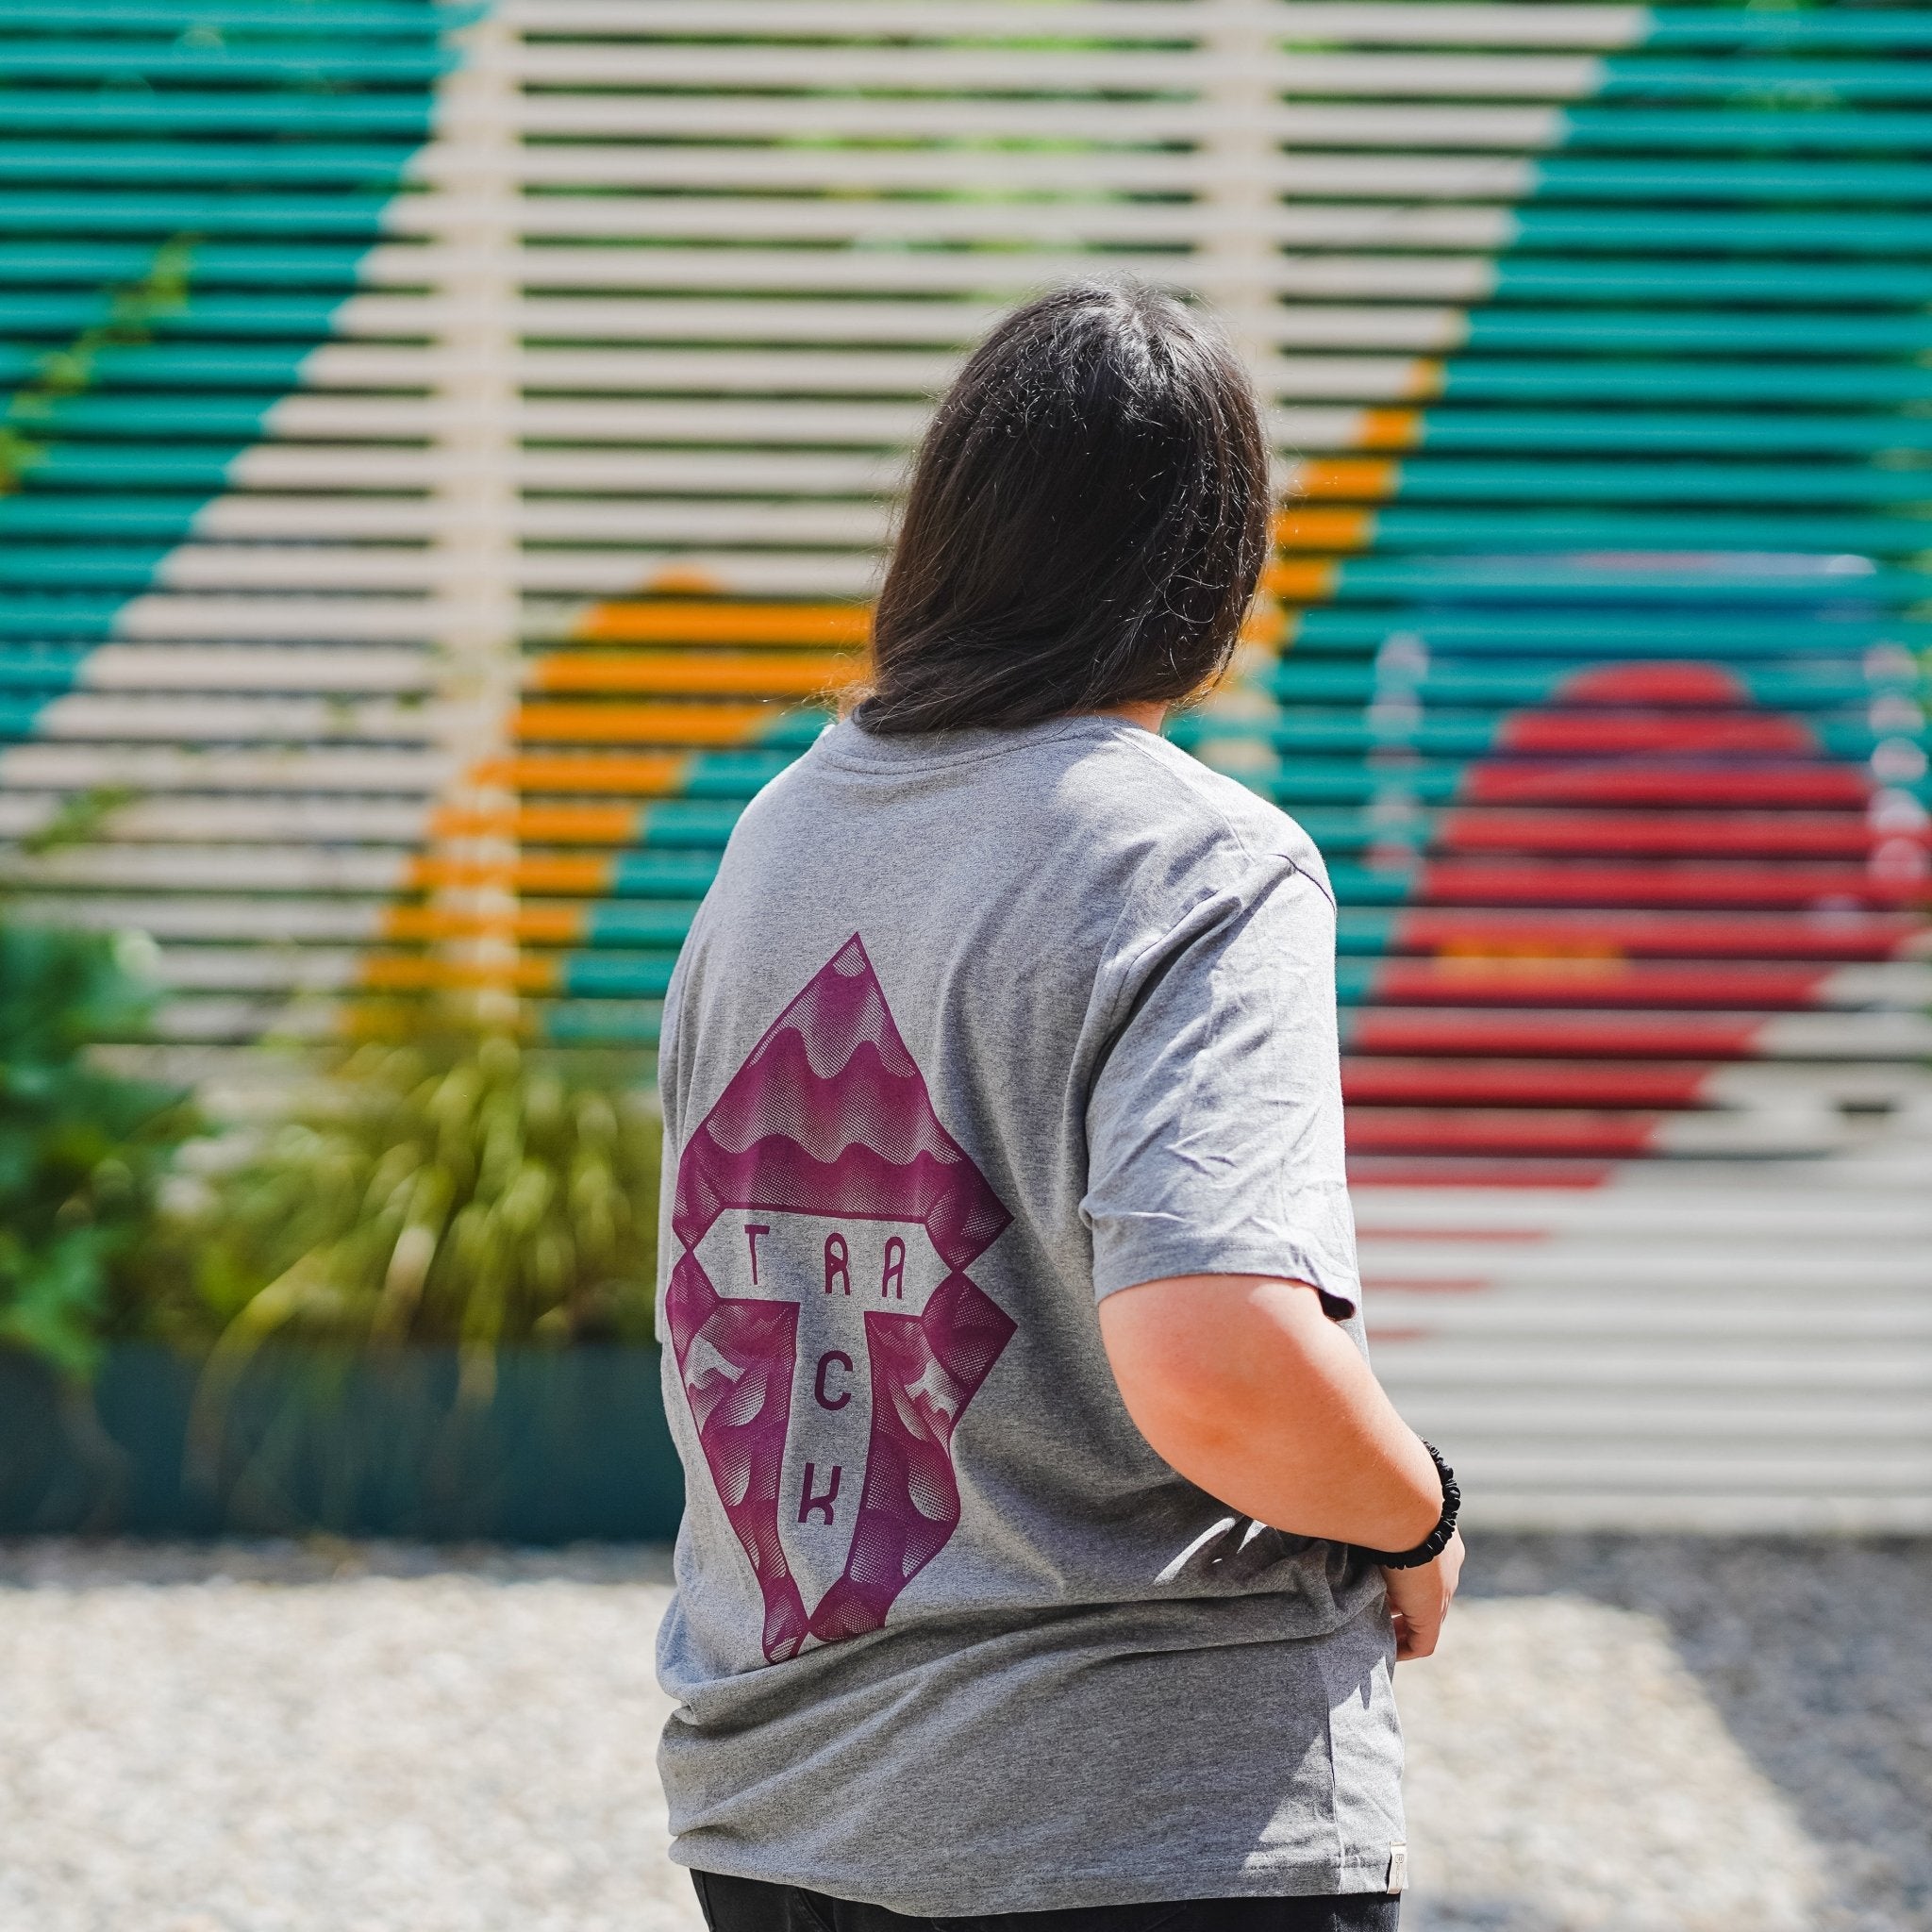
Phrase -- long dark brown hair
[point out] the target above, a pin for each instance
(1086, 522)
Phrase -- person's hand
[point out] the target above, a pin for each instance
(1419, 1601)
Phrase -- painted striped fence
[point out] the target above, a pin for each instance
(449, 454)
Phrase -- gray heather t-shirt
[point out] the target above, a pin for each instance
(972, 1030)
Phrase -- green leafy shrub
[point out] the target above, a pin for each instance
(84, 1153)
(454, 1189)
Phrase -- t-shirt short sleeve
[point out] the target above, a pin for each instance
(1214, 1122)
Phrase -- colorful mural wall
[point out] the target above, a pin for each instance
(449, 451)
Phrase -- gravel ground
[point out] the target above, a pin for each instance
(1623, 1736)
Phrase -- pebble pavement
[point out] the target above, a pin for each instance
(1622, 1735)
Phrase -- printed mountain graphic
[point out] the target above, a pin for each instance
(826, 1333)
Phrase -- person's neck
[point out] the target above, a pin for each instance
(1147, 712)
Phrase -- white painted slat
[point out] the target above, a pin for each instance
(230, 668)
(223, 720)
(225, 767)
(1544, 25)
(781, 325)
(214, 868)
(1120, 123)
(985, 275)
(967, 69)
(687, 168)
(281, 921)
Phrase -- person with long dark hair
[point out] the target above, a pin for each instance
(1049, 1542)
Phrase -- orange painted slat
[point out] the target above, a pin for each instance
(1367, 480)
(1300, 582)
(587, 875)
(722, 623)
(644, 774)
(1391, 429)
(550, 923)
(1325, 530)
(643, 723)
(543, 824)
(696, 672)
(414, 973)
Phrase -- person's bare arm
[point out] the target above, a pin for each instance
(1246, 1387)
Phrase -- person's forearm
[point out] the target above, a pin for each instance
(1246, 1387)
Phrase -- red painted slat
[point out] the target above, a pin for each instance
(1656, 781)
(1583, 980)
(1500, 1130)
(1574, 1035)
(1795, 834)
(1585, 734)
(1838, 934)
(1412, 1082)
(1490, 881)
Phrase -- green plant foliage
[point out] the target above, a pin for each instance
(83, 1152)
(133, 312)
(451, 1189)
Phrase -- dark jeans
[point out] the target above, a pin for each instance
(748, 1905)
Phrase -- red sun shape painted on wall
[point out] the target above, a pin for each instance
(825, 1331)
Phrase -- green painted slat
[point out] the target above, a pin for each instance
(1790, 383)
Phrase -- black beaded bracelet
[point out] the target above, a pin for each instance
(1436, 1540)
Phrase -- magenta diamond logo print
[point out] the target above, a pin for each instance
(825, 1326)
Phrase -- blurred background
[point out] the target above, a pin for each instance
(445, 452)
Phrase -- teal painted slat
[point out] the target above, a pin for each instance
(1791, 383)
(1840, 231)
(1594, 178)
(1407, 527)
(1591, 579)
(44, 513)
(733, 773)
(662, 875)
(71, 465)
(230, 366)
(1809, 27)
(1767, 636)
(1768, 430)
(1828, 286)
(1462, 682)
(85, 566)
(114, 162)
(102, 111)
(1815, 129)
(128, 213)
(698, 823)
(50, 671)
(61, 317)
(634, 975)
(600, 1023)
(1641, 77)
(639, 923)
(312, 17)
(1665, 331)
(42, 266)
(1468, 479)
(323, 58)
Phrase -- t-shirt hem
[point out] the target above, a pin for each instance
(1058, 1890)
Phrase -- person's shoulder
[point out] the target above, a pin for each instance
(1229, 818)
